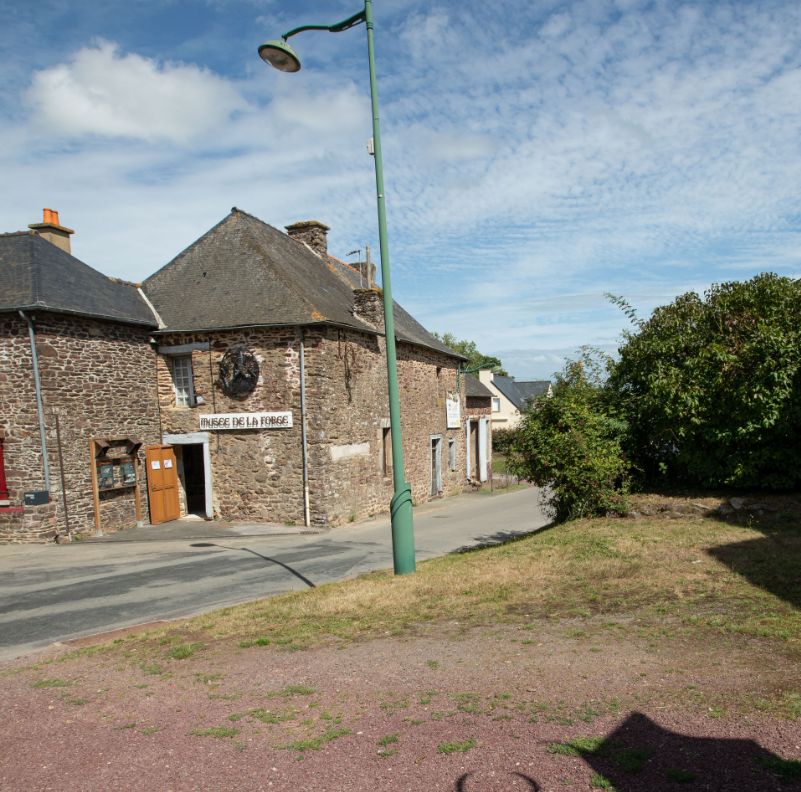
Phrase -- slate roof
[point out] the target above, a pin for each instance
(36, 274)
(243, 272)
(520, 393)
(474, 389)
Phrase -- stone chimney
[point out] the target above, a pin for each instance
(368, 305)
(313, 233)
(52, 231)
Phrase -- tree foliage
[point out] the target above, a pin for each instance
(711, 387)
(475, 359)
(571, 443)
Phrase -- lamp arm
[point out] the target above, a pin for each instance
(345, 24)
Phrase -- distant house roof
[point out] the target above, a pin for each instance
(474, 389)
(37, 275)
(520, 393)
(243, 272)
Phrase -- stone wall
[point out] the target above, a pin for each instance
(349, 419)
(425, 379)
(98, 379)
(256, 474)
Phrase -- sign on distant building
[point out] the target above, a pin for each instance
(453, 412)
(239, 421)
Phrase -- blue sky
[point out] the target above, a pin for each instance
(536, 155)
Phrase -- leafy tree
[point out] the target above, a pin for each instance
(571, 443)
(711, 387)
(475, 359)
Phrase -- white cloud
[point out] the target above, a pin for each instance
(105, 93)
(643, 148)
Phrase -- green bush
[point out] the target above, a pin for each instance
(571, 444)
(711, 387)
(503, 440)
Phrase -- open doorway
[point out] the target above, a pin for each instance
(193, 479)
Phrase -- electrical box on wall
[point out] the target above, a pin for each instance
(37, 498)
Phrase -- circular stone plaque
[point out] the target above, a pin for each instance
(239, 372)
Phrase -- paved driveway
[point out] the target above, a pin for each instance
(54, 592)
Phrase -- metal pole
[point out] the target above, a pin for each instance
(37, 384)
(401, 504)
(63, 478)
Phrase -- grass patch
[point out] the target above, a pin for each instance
(262, 640)
(456, 747)
(599, 781)
(387, 740)
(208, 679)
(152, 669)
(219, 732)
(50, 683)
(632, 760)
(290, 691)
(184, 651)
(394, 705)
(316, 743)
(268, 716)
(579, 746)
(425, 698)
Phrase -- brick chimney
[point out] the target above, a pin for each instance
(313, 233)
(52, 231)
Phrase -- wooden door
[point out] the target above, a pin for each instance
(162, 484)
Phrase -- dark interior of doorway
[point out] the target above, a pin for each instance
(194, 479)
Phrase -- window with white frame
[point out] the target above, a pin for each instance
(496, 403)
(182, 380)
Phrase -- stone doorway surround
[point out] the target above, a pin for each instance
(194, 438)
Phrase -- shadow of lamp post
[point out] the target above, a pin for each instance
(280, 55)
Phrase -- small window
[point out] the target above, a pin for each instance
(386, 452)
(451, 454)
(496, 403)
(182, 381)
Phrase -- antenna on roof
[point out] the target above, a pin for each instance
(358, 252)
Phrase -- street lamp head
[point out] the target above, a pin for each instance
(280, 55)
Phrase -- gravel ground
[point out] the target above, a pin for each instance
(478, 709)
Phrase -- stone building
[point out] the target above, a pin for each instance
(75, 367)
(252, 369)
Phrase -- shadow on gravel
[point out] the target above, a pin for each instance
(770, 562)
(266, 558)
(642, 756)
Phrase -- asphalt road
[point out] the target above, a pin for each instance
(54, 593)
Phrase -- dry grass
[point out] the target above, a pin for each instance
(702, 574)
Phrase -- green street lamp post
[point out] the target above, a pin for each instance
(280, 55)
